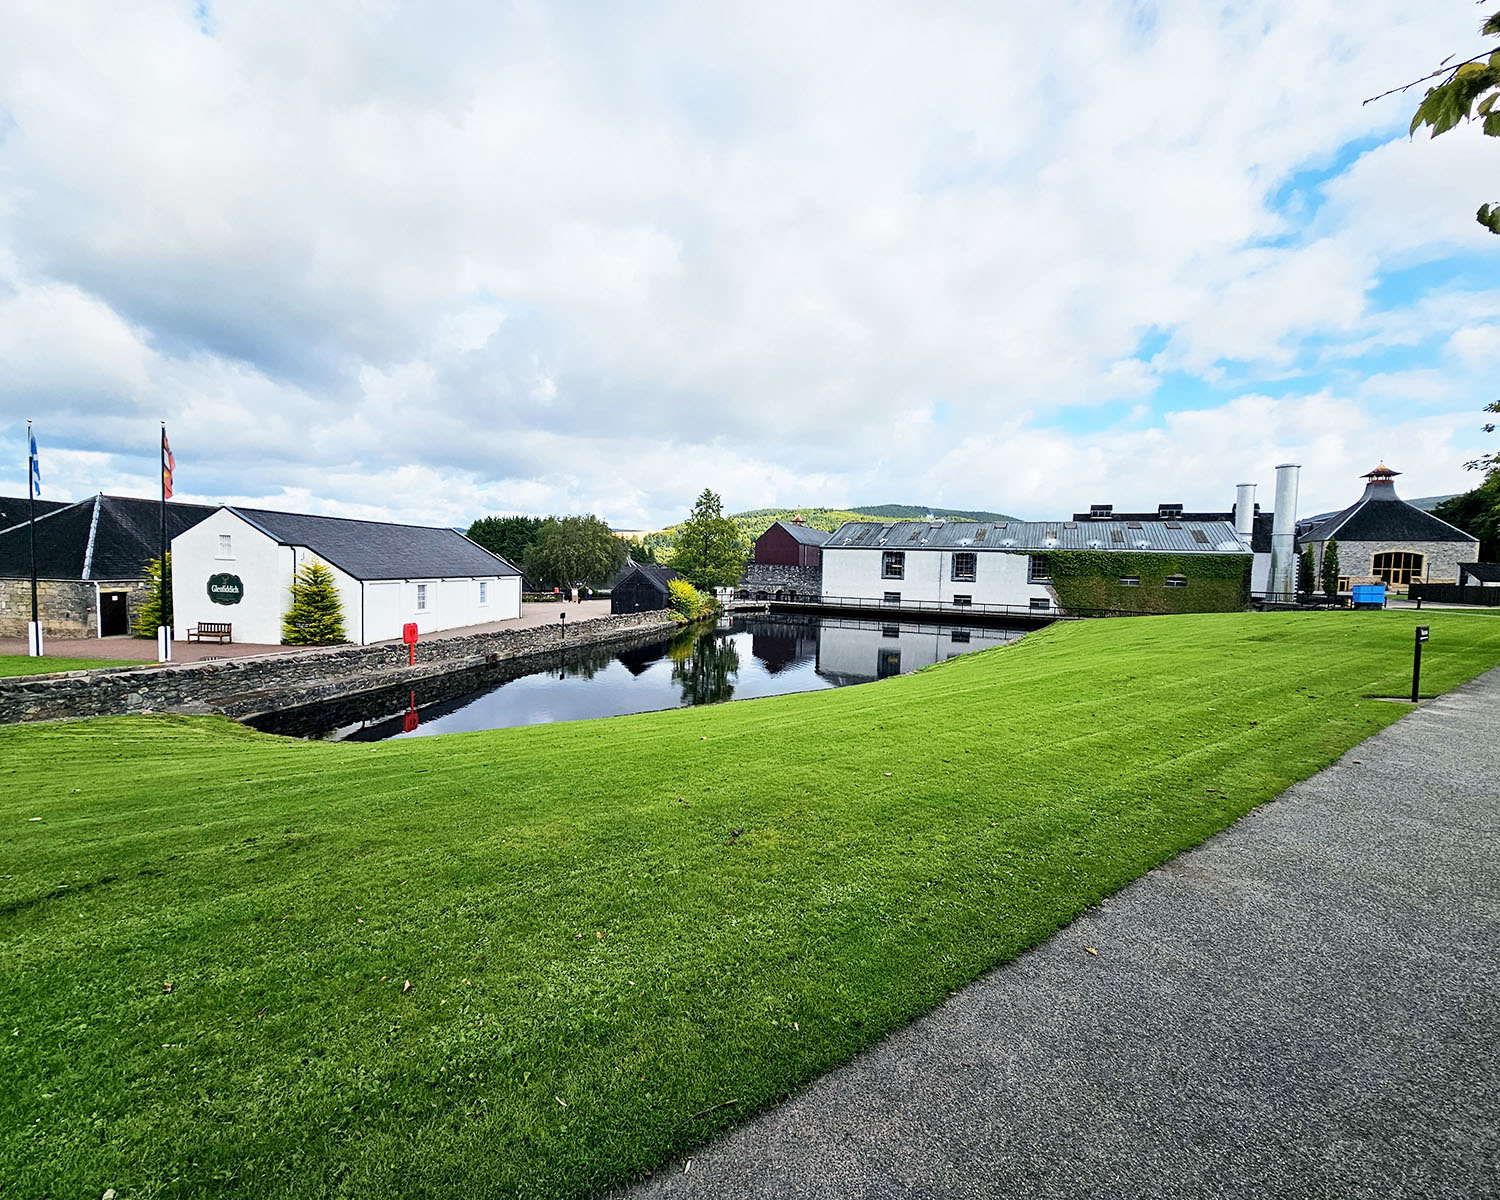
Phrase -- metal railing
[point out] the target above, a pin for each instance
(943, 608)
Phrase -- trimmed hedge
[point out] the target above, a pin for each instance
(1089, 580)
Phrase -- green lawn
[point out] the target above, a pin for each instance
(22, 664)
(620, 936)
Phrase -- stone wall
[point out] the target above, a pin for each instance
(1440, 559)
(247, 687)
(771, 578)
(65, 606)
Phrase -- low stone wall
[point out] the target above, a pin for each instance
(770, 578)
(247, 687)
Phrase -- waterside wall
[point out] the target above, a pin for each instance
(249, 687)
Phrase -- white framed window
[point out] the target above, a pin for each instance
(961, 601)
(1130, 581)
(226, 546)
(1175, 581)
(421, 597)
(893, 564)
(484, 591)
(893, 598)
(1041, 568)
(1040, 603)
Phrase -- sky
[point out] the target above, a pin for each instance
(432, 261)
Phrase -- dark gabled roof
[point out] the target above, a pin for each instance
(804, 534)
(103, 537)
(379, 549)
(1199, 537)
(653, 575)
(1480, 572)
(1382, 516)
(14, 510)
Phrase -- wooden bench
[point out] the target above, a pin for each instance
(218, 631)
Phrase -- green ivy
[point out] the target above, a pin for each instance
(1089, 580)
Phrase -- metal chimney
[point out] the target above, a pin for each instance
(1284, 532)
(1244, 511)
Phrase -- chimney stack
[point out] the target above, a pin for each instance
(1244, 511)
(1283, 582)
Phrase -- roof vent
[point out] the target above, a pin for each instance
(1169, 510)
(1008, 542)
(1143, 544)
(1101, 512)
(1095, 544)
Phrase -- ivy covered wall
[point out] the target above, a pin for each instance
(1086, 580)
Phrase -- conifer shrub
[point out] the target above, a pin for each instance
(157, 608)
(1331, 569)
(316, 617)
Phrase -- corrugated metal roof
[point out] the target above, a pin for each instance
(1190, 537)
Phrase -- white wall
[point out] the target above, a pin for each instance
(264, 567)
(1260, 574)
(1000, 577)
(451, 604)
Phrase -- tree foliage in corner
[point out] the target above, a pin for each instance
(316, 617)
(509, 537)
(1331, 569)
(1467, 91)
(708, 547)
(1478, 513)
(572, 551)
(157, 609)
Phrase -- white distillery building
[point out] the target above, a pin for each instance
(959, 564)
(236, 567)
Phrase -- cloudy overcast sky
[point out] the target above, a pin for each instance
(433, 261)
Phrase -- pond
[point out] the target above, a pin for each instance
(743, 656)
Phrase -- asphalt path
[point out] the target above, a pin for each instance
(1307, 1005)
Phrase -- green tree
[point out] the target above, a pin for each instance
(157, 609)
(509, 537)
(316, 617)
(1478, 512)
(1465, 91)
(1331, 569)
(571, 551)
(708, 547)
(1306, 576)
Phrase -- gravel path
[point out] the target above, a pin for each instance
(1308, 1005)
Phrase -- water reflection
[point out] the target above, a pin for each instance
(740, 658)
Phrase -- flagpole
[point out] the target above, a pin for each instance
(163, 630)
(34, 641)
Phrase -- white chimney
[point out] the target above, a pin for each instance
(1284, 532)
(1244, 511)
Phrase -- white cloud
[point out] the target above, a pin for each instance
(433, 260)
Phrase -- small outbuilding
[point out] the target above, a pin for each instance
(236, 567)
(641, 587)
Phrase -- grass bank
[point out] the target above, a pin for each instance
(541, 961)
(12, 665)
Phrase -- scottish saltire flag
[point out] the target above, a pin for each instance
(168, 465)
(36, 468)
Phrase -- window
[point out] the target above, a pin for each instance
(1175, 581)
(1343, 583)
(893, 565)
(964, 565)
(888, 664)
(1200, 537)
(1130, 581)
(226, 546)
(1117, 536)
(1169, 510)
(1041, 568)
(1397, 567)
(962, 601)
(960, 635)
(893, 597)
(1040, 603)
(890, 631)
(484, 591)
(1101, 512)
(421, 597)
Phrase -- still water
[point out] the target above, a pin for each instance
(742, 657)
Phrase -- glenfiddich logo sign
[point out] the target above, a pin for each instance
(225, 589)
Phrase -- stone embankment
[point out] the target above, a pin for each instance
(249, 687)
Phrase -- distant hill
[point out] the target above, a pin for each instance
(1425, 503)
(915, 512)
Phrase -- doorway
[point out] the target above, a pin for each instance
(114, 614)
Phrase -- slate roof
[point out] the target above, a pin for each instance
(1208, 537)
(1382, 516)
(806, 535)
(380, 549)
(653, 575)
(101, 538)
(13, 510)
